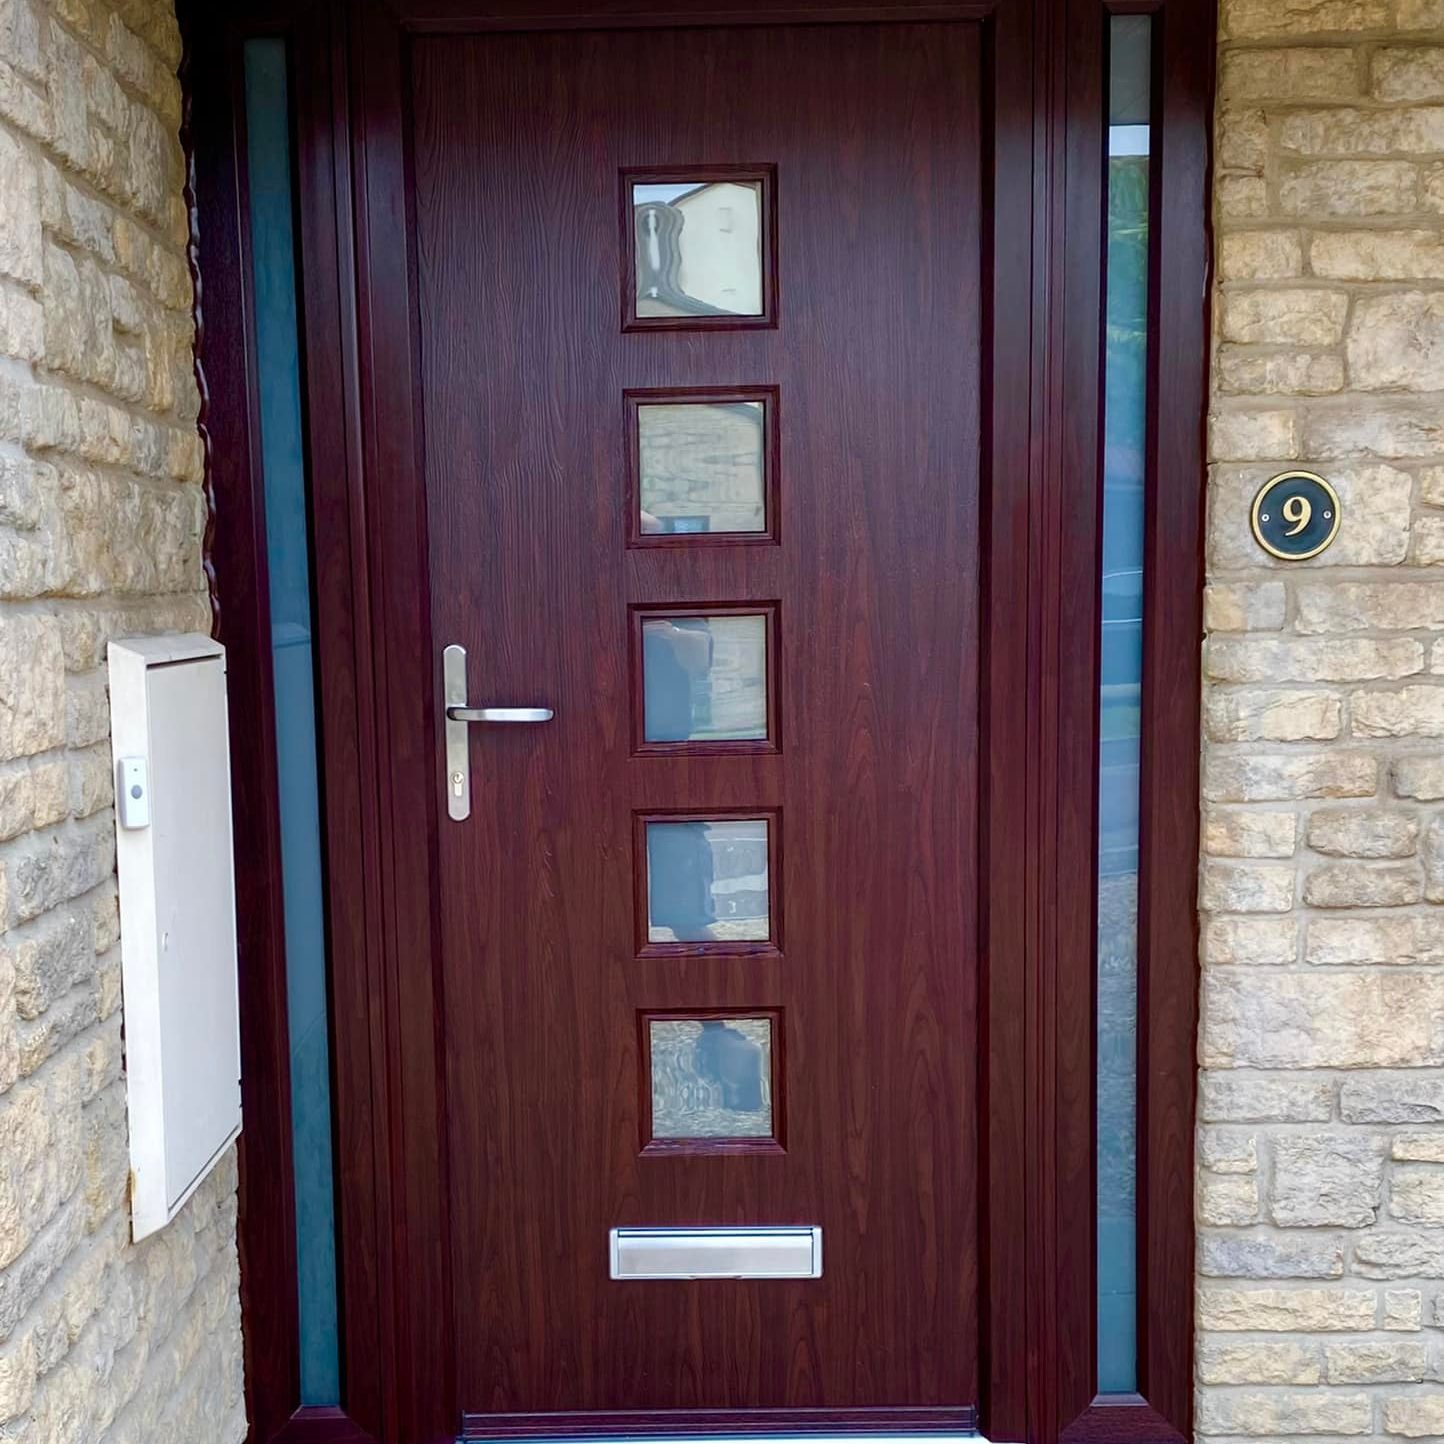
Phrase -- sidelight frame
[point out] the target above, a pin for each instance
(1044, 137)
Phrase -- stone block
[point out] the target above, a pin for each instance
(1418, 1147)
(1253, 436)
(1244, 606)
(1344, 131)
(1229, 1097)
(1287, 1361)
(1416, 1195)
(1402, 940)
(1403, 1310)
(1250, 941)
(1407, 72)
(1274, 715)
(1415, 1416)
(1244, 371)
(1300, 316)
(1321, 1310)
(1369, 1361)
(1259, 20)
(1400, 1099)
(21, 235)
(1327, 188)
(1321, 1179)
(1364, 885)
(1419, 777)
(1337, 606)
(1238, 833)
(1396, 342)
(1379, 255)
(1401, 712)
(1274, 1413)
(32, 685)
(1250, 887)
(1388, 430)
(1266, 1018)
(1251, 658)
(1386, 1254)
(1244, 1256)
(1298, 74)
(1344, 832)
(1255, 777)
(1259, 255)
(1226, 1200)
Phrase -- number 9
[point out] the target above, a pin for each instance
(1298, 510)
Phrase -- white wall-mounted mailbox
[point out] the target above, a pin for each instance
(177, 916)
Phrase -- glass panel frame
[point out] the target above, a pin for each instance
(770, 946)
(705, 746)
(285, 483)
(773, 1142)
(765, 178)
(768, 398)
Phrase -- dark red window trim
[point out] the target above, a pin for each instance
(1042, 294)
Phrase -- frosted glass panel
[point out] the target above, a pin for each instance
(704, 678)
(1125, 439)
(700, 465)
(698, 248)
(711, 1077)
(707, 881)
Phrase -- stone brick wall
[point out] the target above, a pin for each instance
(1321, 1104)
(100, 528)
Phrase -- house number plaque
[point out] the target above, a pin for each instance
(1295, 515)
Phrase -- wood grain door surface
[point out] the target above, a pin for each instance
(867, 581)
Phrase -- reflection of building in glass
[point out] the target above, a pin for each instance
(711, 1078)
(707, 881)
(699, 249)
(701, 466)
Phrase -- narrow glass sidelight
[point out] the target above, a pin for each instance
(288, 560)
(1125, 449)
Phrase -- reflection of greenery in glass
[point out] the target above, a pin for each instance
(1125, 424)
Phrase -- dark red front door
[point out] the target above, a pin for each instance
(700, 373)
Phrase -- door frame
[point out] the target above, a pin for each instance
(1044, 125)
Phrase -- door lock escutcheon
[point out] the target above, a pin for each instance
(458, 717)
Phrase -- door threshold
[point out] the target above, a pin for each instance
(718, 1426)
(931, 1436)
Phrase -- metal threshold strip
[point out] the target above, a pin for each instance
(868, 1437)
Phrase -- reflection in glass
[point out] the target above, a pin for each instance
(700, 465)
(711, 1077)
(1124, 473)
(707, 881)
(704, 679)
(288, 558)
(698, 248)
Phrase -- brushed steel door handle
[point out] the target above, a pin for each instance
(456, 717)
(500, 714)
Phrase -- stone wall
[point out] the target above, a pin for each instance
(1321, 1101)
(100, 530)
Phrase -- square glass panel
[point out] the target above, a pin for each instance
(701, 467)
(707, 881)
(704, 679)
(698, 248)
(711, 1077)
